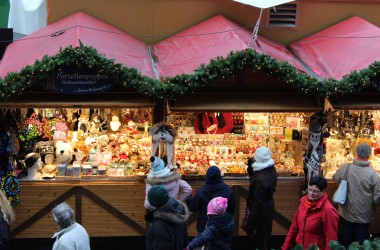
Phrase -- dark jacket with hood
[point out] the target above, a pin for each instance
(261, 202)
(217, 234)
(167, 226)
(212, 189)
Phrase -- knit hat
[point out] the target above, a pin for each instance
(158, 168)
(158, 196)
(213, 175)
(217, 206)
(30, 159)
(262, 154)
(60, 132)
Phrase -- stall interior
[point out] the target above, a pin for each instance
(47, 143)
(229, 139)
(115, 142)
(347, 129)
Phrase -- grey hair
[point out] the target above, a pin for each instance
(64, 215)
(363, 150)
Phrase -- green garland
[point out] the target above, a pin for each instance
(86, 56)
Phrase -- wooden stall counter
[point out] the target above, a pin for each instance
(115, 207)
(107, 207)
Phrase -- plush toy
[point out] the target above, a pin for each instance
(91, 144)
(94, 124)
(163, 137)
(132, 129)
(80, 151)
(122, 142)
(103, 141)
(135, 152)
(115, 123)
(83, 122)
(64, 152)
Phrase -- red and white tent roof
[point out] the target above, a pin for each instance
(217, 36)
(334, 52)
(350, 45)
(106, 39)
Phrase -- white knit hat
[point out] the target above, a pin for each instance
(262, 154)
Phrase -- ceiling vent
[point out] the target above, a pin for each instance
(283, 16)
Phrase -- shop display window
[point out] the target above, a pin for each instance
(347, 129)
(199, 144)
(80, 142)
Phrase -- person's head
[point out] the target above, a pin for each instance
(213, 175)
(363, 151)
(63, 215)
(158, 196)
(262, 155)
(6, 208)
(317, 186)
(217, 206)
(158, 167)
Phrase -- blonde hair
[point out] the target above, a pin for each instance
(6, 209)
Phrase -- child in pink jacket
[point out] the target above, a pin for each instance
(161, 175)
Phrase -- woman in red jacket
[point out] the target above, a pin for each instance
(316, 220)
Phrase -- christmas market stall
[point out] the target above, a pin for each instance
(352, 107)
(75, 112)
(245, 99)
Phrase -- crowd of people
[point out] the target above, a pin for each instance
(169, 200)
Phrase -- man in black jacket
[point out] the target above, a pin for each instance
(167, 223)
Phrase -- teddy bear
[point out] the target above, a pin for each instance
(103, 141)
(122, 147)
(64, 152)
(135, 152)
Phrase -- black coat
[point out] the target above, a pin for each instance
(217, 234)
(204, 195)
(4, 233)
(261, 202)
(167, 228)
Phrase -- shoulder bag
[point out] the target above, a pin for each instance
(340, 194)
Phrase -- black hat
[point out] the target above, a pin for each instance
(30, 159)
(213, 175)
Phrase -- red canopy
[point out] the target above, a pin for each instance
(336, 51)
(106, 39)
(217, 36)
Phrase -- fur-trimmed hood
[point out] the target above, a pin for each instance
(174, 211)
(163, 180)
